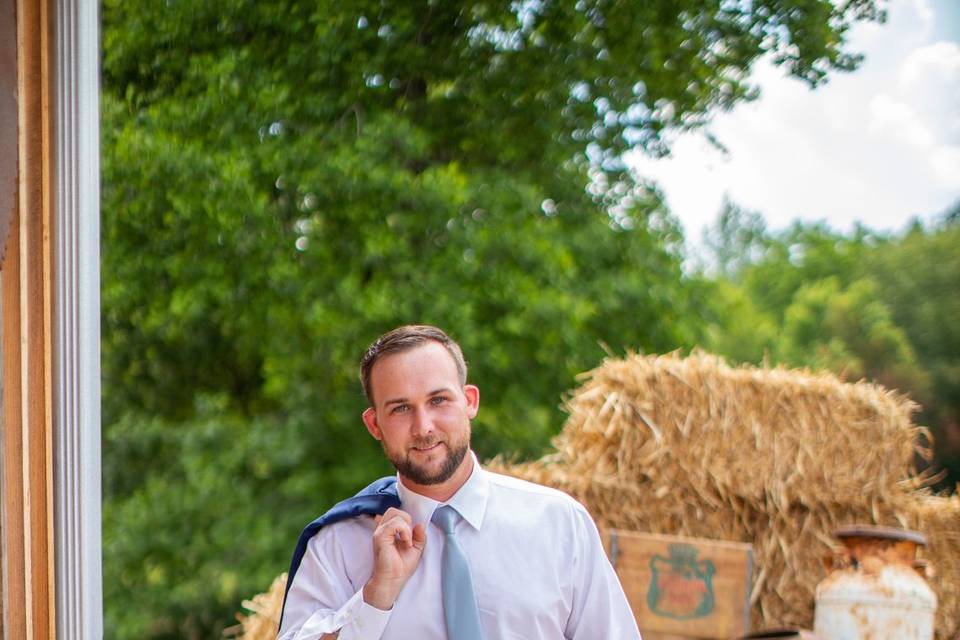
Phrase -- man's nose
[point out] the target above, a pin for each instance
(422, 423)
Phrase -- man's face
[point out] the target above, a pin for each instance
(421, 413)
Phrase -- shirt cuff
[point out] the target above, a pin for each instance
(364, 621)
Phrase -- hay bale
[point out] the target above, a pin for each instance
(774, 457)
(663, 419)
(939, 518)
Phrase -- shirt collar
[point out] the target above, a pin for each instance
(470, 500)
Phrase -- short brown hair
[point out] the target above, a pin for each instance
(403, 339)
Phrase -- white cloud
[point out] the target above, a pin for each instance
(940, 58)
(913, 20)
(891, 118)
(926, 111)
(930, 76)
(924, 12)
(945, 161)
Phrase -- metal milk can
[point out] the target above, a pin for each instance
(875, 590)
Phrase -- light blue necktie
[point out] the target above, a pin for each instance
(459, 603)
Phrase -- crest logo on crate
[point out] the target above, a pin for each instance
(681, 587)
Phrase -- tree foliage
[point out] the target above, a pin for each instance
(283, 181)
(919, 275)
(850, 331)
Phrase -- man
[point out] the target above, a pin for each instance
(458, 552)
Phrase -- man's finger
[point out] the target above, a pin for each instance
(419, 536)
(392, 530)
(394, 512)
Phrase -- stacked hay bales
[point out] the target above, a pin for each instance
(773, 457)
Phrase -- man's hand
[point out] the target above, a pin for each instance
(397, 547)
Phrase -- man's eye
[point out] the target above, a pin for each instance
(438, 400)
(400, 408)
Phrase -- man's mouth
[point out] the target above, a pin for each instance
(428, 447)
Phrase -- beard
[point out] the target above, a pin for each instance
(418, 474)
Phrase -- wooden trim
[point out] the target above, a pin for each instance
(46, 590)
(14, 572)
(8, 116)
(26, 277)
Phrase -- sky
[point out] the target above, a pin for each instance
(880, 145)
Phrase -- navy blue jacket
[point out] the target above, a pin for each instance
(373, 500)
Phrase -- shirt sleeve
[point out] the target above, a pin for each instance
(600, 608)
(322, 599)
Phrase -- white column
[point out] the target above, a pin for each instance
(76, 353)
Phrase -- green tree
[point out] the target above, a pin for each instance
(283, 181)
(735, 326)
(737, 240)
(850, 331)
(918, 276)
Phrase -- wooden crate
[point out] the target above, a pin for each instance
(683, 587)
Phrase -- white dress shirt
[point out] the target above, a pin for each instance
(539, 571)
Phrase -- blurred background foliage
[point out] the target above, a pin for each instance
(284, 181)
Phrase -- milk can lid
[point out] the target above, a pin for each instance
(885, 533)
(780, 632)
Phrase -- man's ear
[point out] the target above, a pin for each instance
(472, 394)
(370, 419)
